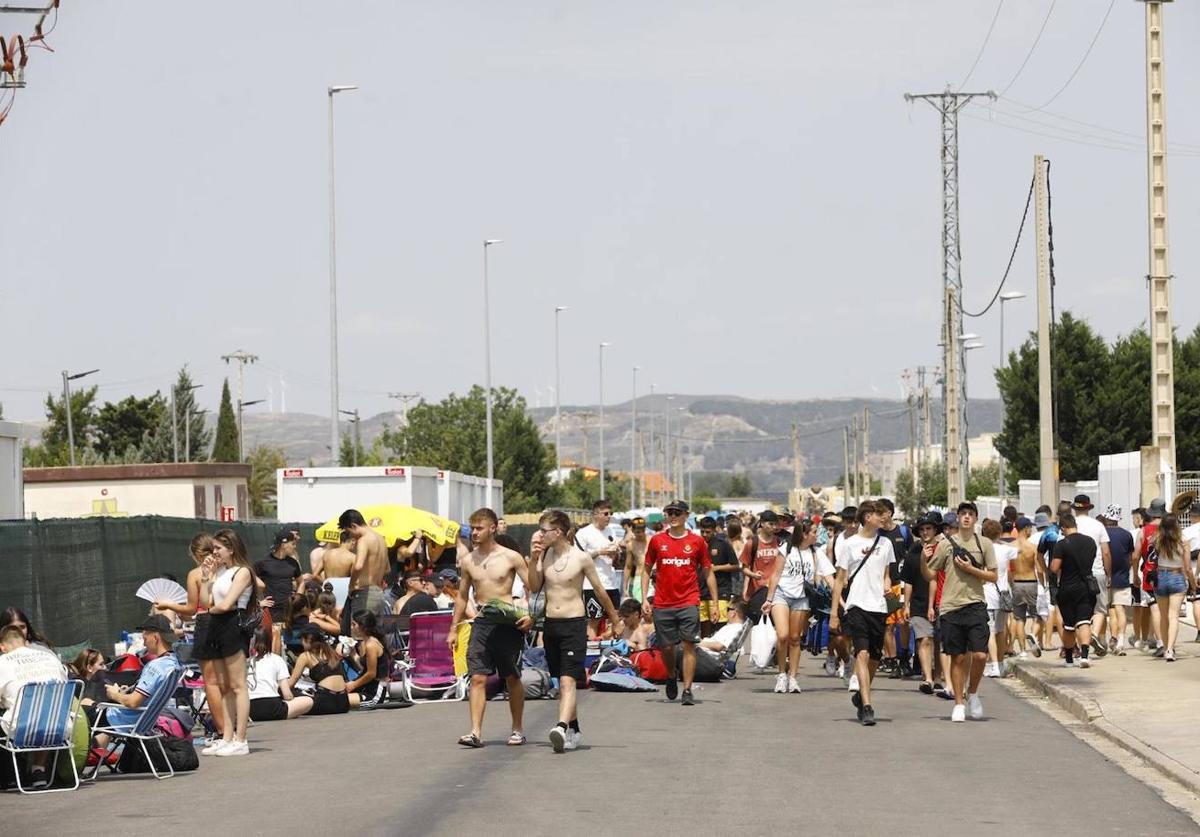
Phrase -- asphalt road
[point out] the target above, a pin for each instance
(743, 760)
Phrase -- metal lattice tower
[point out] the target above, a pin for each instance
(954, 448)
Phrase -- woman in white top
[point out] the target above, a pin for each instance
(271, 696)
(788, 604)
(230, 590)
(1175, 578)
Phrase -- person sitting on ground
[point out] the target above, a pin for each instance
(90, 667)
(21, 663)
(164, 668)
(727, 634)
(324, 669)
(327, 617)
(415, 599)
(634, 629)
(369, 658)
(271, 697)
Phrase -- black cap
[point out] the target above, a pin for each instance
(768, 516)
(676, 505)
(160, 625)
(412, 574)
(1082, 502)
(284, 536)
(708, 522)
(446, 576)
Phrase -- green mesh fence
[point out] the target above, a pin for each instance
(76, 579)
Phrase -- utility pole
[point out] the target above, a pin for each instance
(404, 398)
(854, 457)
(865, 485)
(1047, 455)
(797, 468)
(243, 357)
(954, 450)
(357, 438)
(846, 466)
(912, 441)
(1162, 360)
(633, 469)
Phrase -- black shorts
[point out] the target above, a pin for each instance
(865, 629)
(965, 629)
(565, 641)
(222, 638)
(673, 625)
(592, 606)
(326, 702)
(495, 648)
(268, 709)
(1076, 606)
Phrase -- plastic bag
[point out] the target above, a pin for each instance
(762, 643)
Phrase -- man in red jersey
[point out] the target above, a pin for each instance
(679, 555)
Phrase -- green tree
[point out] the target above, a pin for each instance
(452, 435)
(931, 488)
(125, 430)
(264, 461)
(52, 451)
(702, 503)
(740, 485)
(579, 491)
(185, 411)
(225, 445)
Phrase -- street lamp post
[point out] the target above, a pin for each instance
(67, 378)
(487, 363)
(333, 342)
(667, 447)
(357, 439)
(1007, 296)
(558, 309)
(633, 469)
(175, 423)
(650, 447)
(241, 435)
(603, 346)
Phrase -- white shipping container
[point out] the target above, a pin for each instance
(315, 495)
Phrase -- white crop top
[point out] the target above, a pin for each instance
(224, 583)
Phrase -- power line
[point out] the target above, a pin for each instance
(1073, 137)
(1082, 60)
(1140, 137)
(1029, 54)
(1011, 257)
(983, 46)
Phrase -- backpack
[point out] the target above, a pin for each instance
(708, 666)
(537, 683)
(650, 665)
(181, 755)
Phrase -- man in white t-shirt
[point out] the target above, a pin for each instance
(599, 541)
(22, 663)
(1001, 534)
(1101, 568)
(863, 564)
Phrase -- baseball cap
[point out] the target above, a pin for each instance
(768, 516)
(1111, 512)
(1081, 502)
(284, 536)
(160, 625)
(1025, 522)
(638, 522)
(676, 505)
(446, 576)
(950, 519)
(1041, 520)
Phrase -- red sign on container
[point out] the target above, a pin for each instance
(227, 514)
(393, 472)
(292, 472)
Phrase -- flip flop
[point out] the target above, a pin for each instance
(516, 739)
(471, 740)
(926, 688)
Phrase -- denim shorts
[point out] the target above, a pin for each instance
(1170, 582)
(793, 604)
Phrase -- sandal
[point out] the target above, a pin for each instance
(926, 688)
(471, 740)
(516, 739)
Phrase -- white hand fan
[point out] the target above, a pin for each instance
(162, 588)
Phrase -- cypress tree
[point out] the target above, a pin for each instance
(225, 444)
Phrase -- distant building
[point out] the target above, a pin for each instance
(886, 466)
(207, 490)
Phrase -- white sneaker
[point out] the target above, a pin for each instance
(976, 706)
(781, 683)
(1084, 662)
(573, 738)
(1138, 645)
(841, 669)
(852, 686)
(959, 714)
(213, 746)
(1169, 655)
(991, 669)
(234, 748)
(793, 686)
(1024, 655)
(558, 738)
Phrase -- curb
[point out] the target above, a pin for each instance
(1090, 712)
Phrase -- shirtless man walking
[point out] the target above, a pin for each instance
(1026, 574)
(370, 566)
(635, 556)
(496, 646)
(559, 568)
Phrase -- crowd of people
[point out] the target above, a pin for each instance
(944, 598)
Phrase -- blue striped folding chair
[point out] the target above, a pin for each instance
(43, 720)
(144, 729)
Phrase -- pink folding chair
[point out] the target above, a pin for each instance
(428, 674)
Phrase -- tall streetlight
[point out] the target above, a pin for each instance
(354, 419)
(650, 446)
(1007, 296)
(67, 378)
(333, 324)
(241, 445)
(558, 309)
(633, 469)
(487, 363)
(603, 346)
(667, 446)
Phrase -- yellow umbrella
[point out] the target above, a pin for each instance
(398, 523)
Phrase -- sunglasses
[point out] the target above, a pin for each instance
(673, 513)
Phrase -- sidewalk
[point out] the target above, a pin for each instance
(1145, 705)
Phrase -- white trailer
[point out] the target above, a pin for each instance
(12, 488)
(315, 495)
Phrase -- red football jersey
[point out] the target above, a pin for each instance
(676, 583)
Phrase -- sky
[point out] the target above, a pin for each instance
(735, 196)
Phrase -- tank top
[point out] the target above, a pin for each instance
(799, 566)
(224, 583)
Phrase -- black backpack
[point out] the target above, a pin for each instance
(181, 754)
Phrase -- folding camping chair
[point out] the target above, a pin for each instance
(43, 720)
(144, 729)
(427, 676)
(734, 650)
